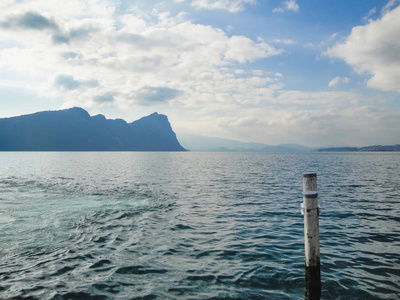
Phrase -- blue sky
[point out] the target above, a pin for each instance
(312, 72)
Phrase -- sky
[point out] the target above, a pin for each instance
(312, 72)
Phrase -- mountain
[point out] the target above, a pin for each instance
(213, 144)
(381, 148)
(376, 148)
(75, 130)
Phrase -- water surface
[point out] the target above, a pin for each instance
(137, 225)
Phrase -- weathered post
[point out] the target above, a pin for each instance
(310, 209)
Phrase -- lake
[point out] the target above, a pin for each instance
(165, 225)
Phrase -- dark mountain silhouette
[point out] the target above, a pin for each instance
(75, 130)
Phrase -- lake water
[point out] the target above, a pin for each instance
(138, 225)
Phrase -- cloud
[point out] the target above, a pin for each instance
(69, 54)
(60, 38)
(232, 6)
(370, 13)
(389, 6)
(314, 100)
(243, 49)
(292, 5)
(289, 5)
(349, 126)
(157, 57)
(285, 42)
(341, 118)
(37, 22)
(374, 49)
(150, 95)
(105, 98)
(74, 34)
(335, 81)
(29, 20)
(69, 83)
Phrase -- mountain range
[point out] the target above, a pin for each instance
(214, 144)
(375, 148)
(75, 130)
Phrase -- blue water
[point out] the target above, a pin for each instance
(137, 225)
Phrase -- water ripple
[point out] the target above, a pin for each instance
(195, 226)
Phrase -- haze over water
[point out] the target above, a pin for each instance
(141, 225)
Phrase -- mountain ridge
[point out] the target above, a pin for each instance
(74, 129)
(215, 144)
(374, 148)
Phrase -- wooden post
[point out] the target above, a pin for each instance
(311, 236)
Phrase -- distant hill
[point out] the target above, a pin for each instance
(75, 130)
(214, 144)
(377, 148)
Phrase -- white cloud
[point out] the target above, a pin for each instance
(292, 5)
(232, 6)
(374, 49)
(333, 36)
(389, 6)
(159, 59)
(242, 49)
(258, 72)
(370, 13)
(309, 118)
(335, 81)
(288, 5)
(324, 99)
(285, 42)
(354, 126)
